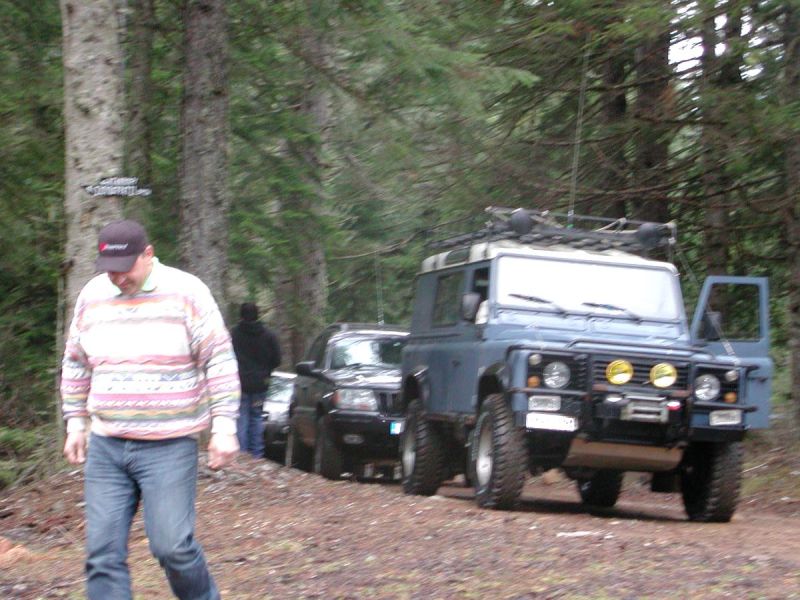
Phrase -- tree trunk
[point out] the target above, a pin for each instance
(714, 230)
(204, 196)
(93, 117)
(303, 282)
(721, 79)
(792, 96)
(138, 136)
(614, 117)
(653, 109)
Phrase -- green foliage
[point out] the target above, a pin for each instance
(31, 174)
(27, 454)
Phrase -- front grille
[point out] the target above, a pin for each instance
(641, 370)
(389, 402)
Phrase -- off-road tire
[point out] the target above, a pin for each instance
(602, 489)
(298, 455)
(328, 458)
(711, 477)
(498, 456)
(421, 453)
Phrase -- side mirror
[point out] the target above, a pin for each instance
(306, 368)
(469, 305)
(712, 326)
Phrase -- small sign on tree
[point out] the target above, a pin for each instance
(117, 186)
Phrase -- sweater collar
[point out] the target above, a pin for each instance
(151, 283)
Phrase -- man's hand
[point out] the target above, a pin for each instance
(222, 448)
(75, 447)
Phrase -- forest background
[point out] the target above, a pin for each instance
(299, 151)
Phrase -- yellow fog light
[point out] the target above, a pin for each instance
(534, 381)
(730, 397)
(663, 375)
(619, 372)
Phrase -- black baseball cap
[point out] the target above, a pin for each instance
(118, 246)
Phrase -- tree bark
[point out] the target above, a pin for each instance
(204, 194)
(792, 97)
(93, 117)
(653, 109)
(714, 230)
(614, 119)
(138, 138)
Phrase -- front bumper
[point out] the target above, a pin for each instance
(366, 434)
(275, 432)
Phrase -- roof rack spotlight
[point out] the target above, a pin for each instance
(521, 221)
(652, 235)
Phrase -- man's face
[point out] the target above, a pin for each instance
(132, 281)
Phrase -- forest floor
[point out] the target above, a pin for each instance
(273, 532)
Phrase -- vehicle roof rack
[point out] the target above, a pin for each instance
(546, 228)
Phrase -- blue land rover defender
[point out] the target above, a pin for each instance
(540, 342)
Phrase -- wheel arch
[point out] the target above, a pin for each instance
(415, 387)
(494, 380)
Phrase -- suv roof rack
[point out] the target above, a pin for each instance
(545, 228)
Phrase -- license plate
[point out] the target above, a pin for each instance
(396, 427)
(550, 421)
(725, 417)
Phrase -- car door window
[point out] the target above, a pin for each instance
(317, 350)
(446, 304)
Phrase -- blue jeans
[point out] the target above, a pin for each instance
(250, 426)
(163, 475)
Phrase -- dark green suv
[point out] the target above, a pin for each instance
(538, 342)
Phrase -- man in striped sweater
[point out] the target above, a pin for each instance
(148, 366)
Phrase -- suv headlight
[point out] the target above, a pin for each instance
(556, 375)
(355, 399)
(706, 387)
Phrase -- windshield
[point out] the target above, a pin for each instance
(560, 286)
(371, 351)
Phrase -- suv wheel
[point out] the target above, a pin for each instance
(601, 489)
(297, 456)
(498, 457)
(327, 455)
(421, 454)
(711, 477)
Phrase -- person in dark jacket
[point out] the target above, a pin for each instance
(258, 353)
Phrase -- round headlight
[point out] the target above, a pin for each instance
(619, 372)
(534, 359)
(706, 387)
(556, 375)
(663, 375)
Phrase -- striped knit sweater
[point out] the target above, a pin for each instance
(155, 365)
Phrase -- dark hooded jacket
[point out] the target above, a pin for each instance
(257, 352)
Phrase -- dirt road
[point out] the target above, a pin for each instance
(271, 532)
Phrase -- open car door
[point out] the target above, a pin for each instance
(732, 319)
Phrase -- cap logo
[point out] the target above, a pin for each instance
(103, 247)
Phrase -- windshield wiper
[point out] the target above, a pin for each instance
(621, 309)
(530, 298)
